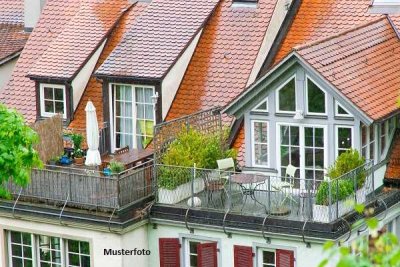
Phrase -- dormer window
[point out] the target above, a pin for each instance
(244, 3)
(52, 100)
(385, 7)
(286, 97)
(262, 107)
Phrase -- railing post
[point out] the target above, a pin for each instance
(269, 194)
(118, 191)
(193, 177)
(229, 191)
(355, 183)
(371, 169)
(330, 199)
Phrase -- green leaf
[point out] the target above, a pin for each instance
(359, 208)
(344, 251)
(347, 261)
(372, 223)
(323, 263)
(328, 245)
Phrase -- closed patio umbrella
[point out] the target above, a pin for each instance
(92, 136)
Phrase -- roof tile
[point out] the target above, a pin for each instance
(157, 39)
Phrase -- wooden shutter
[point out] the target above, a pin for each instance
(243, 256)
(284, 258)
(207, 255)
(169, 252)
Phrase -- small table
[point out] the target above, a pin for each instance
(252, 180)
(130, 158)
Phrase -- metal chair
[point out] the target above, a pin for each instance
(286, 186)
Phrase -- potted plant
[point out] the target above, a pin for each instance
(116, 167)
(53, 161)
(190, 149)
(78, 152)
(342, 187)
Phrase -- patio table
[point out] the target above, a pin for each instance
(248, 184)
(130, 158)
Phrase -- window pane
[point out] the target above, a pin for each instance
(344, 138)
(294, 135)
(49, 106)
(268, 257)
(140, 111)
(48, 93)
(193, 247)
(59, 107)
(58, 94)
(260, 132)
(139, 94)
(85, 248)
(341, 111)
(262, 107)
(309, 136)
(261, 154)
(316, 98)
(319, 158)
(16, 237)
(285, 135)
(17, 262)
(148, 93)
(73, 259)
(319, 137)
(16, 250)
(128, 93)
(73, 246)
(149, 112)
(85, 261)
(27, 252)
(26, 238)
(287, 97)
(363, 135)
(309, 154)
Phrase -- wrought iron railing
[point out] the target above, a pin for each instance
(260, 194)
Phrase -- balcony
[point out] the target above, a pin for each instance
(264, 195)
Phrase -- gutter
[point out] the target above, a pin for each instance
(10, 57)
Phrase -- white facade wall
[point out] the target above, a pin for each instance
(6, 71)
(305, 257)
(98, 241)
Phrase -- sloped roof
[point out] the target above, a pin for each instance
(12, 35)
(158, 38)
(224, 57)
(12, 11)
(393, 169)
(94, 90)
(322, 18)
(363, 64)
(19, 93)
(80, 37)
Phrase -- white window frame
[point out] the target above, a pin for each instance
(202, 240)
(337, 114)
(37, 243)
(66, 251)
(386, 2)
(367, 146)
(9, 252)
(260, 258)
(253, 151)
(256, 109)
(134, 112)
(277, 96)
(306, 94)
(385, 135)
(43, 113)
(337, 137)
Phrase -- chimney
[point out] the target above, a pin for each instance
(33, 8)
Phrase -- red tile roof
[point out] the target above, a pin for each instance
(93, 90)
(158, 38)
(363, 64)
(224, 57)
(393, 169)
(318, 19)
(80, 37)
(12, 39)
(20, 91)
(12, 11)
(12, 35)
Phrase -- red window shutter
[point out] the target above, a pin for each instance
(169, 252)
(284, 258)
(207, 255)
(243, 256)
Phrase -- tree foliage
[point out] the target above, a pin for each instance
(379, 249)
(17, 153)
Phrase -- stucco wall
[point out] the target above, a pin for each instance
(136, 238)
(6, 71)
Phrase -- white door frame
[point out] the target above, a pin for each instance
(302, 147)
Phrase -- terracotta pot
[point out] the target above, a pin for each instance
(79, 161)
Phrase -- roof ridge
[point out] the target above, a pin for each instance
(322, 40)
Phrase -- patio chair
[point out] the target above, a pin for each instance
(287, 184)
(215, 183)
(122, 150)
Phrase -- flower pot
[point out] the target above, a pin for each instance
(183, 191)
(79, 161)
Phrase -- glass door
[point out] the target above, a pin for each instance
(314, 160)
(290, 150)
(304, 148)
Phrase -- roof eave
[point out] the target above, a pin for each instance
(10, 57)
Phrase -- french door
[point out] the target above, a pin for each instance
(304, 148)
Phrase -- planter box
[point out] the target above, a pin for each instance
(321, 212)
(180, 193)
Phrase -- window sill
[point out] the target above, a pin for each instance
(344, 118)
(288, 115)
(312, 116)
(263, 113)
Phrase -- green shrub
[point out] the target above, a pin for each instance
(344, 187)
(191, 147)
(77, 140)
(4, 194)
(116, 167)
